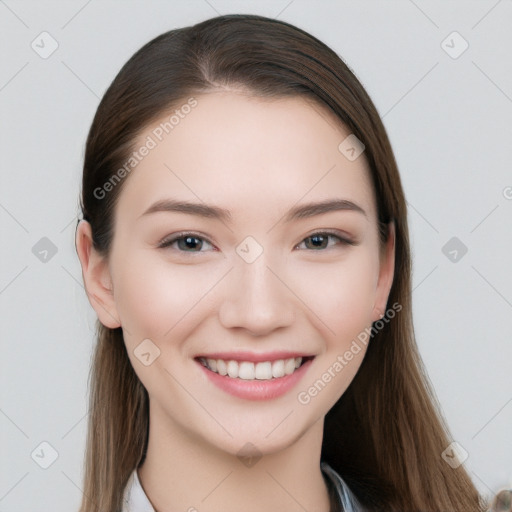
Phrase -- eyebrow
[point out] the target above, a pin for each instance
(214, 212)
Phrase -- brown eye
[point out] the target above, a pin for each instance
(320, 240)
(186, 242)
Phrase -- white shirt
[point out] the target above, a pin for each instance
(136, 500)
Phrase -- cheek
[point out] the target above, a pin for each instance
(152, 295)
(342, 299)
(341, 294)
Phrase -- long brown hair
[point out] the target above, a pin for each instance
(385, 435)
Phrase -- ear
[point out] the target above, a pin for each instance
(386, 274)
(96, 276)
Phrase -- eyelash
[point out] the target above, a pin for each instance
(167, 242)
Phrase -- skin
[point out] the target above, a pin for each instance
(257, 158)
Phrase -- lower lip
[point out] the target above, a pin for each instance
(257, 389)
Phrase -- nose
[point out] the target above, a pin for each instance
(256, 298)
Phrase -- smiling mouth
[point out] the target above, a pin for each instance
(247, 370)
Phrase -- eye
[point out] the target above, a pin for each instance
(186, 242)
(192, 242)
(321, 238)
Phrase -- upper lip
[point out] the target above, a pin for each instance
(253, 356)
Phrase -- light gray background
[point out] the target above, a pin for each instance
(449, 121)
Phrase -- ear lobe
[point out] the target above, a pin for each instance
(386, 274)
(96, 276)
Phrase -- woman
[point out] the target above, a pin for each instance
(245, 246)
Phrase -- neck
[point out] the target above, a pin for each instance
(189, 474)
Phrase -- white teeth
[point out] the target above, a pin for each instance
(263, 371)
(233, 369)
(289, 366)
(278, 368)
(248, 370)
(222, 368)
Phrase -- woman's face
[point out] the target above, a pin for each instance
(254, 284)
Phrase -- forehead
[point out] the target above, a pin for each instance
(246, 153)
